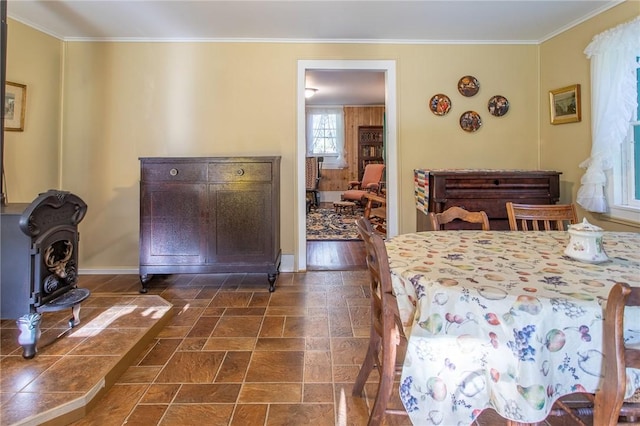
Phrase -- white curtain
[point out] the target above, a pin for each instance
(613, 102)
(330, 162)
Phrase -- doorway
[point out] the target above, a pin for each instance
(388, 68)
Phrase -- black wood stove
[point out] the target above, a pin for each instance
(40, 262)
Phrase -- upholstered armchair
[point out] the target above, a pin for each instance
(371, 183)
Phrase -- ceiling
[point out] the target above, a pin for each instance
(355, 21)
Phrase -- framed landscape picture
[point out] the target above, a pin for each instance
(15, 104)
(564, 105)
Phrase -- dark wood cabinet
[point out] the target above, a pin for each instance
(209, 215)
(370, 147)
(488, 190)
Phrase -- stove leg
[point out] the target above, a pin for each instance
(29, 326)
(75, 310)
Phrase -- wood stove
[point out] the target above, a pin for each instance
(40, 262)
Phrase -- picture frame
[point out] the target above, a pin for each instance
(565, 105)
(15, 106)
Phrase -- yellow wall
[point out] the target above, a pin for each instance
(563, 63)
(127, 100)
(31, 157)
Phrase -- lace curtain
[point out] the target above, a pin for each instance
(331, 127)
(613, 102)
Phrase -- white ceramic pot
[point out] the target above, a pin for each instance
(586, 243)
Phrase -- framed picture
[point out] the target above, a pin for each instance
(564, 105)
(15, 104)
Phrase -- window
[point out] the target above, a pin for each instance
(623, 182)
(634, 148)
(610, 184)
(325, 135)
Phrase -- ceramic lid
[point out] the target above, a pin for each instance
(585, 226)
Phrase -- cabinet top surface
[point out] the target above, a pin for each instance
(487, 171)
(209, 159)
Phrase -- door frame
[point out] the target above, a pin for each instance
(391, 152)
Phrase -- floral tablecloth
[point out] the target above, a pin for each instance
(503, 320)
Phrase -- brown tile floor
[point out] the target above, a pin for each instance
(233, 353)
(74, 366)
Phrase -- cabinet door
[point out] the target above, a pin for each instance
(173, 224)
(241, 228)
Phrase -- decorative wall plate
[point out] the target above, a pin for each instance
(498, 105)
(468, 85)
(440, 104)
(470, 121)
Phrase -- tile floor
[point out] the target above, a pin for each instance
(234, 354)
(72, 367)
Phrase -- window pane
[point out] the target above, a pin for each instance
(324, 134)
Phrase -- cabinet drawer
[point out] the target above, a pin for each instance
(174, 172)
(240, 172)
(494, 186)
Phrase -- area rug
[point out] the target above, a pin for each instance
(327, 225)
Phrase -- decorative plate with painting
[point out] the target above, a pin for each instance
(468, 86)
(470, 121)
(498, 105)
(440, 104)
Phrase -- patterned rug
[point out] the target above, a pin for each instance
(326, 224)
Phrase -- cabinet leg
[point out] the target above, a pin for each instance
(144, 279)
(272, 282)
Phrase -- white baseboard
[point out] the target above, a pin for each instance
(330, 196)
(109, 271)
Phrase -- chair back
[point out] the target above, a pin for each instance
(366, 231)
(375, 211)
(609, 401)
(373, 173)
(543, 217)
(438, 220)
(387, 332)
(378, 266)
(311, 172)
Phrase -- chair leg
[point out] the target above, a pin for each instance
(370, 361)
(606, 410)
(385, 388)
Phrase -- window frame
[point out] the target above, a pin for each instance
(629, 161)
(621, 178)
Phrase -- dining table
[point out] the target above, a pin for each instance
(504, 320)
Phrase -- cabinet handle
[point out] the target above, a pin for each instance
(496, 182)
(173, 172)
(240, 172)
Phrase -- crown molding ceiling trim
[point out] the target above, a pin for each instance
(314, 41)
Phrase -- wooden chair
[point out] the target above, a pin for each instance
(609, 402)
(386, 331)
(371, 183)
(375, 211)
(530, 217)
(436, 221)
